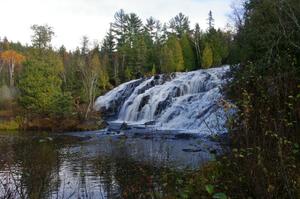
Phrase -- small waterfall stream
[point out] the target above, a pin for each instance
(183, 101)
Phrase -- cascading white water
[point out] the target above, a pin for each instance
(184, 101)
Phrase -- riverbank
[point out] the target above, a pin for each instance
(10, 121)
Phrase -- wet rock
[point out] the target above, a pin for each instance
(185, 136)
(192, 150)
(173, 75)
(213, 151)
(124, 126)
(144, 101)
(156, 77)
(150, 123)
(162, 106)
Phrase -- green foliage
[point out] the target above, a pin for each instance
(11, 125)
(42, 36)
(128, 74)
(153, 71)
(188, 53)
(130, 50)
(207, 57)
(180, 25)
(167, 60)
(40, 85)
(209, 189)
(266, 128)
(176, 51)
(219, 196)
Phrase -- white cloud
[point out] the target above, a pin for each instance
(71, 19)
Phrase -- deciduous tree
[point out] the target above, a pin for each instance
(12, 59)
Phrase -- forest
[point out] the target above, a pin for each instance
(41, 85)
(50, 83)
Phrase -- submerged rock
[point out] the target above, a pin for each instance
(185, 136)
(124, 126)
(150, 123)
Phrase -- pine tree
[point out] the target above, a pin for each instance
(108, 50)
(211, 21)
(150, 28)
(153, 71)
(119, 27)
(174, 45)
(133, 26)
(85, 45)
(167, 60)
(207, 57)
(180, 25)
(188, 53)
(197, 41)
(40, 86)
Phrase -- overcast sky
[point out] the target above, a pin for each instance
(71, 19)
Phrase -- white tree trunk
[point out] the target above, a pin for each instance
(11, 73)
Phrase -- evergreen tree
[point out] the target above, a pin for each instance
(180, 25)
(40, 86)
(167, 60)
(150, 28)
(108, 50)
(211, 21)
(197, 41)
(85, 43)
(207, 56)
(188, 53)
(119, 27)
(134, 26)
(176, 51)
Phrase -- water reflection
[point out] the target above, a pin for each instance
(98, 167)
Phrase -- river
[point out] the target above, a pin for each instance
(98, 164)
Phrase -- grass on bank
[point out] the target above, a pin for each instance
(9, 125)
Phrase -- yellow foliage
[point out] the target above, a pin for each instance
(9, 125)
(12, 57)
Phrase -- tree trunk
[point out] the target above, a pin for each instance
(11, 73)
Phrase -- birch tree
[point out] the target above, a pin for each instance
(11, 59)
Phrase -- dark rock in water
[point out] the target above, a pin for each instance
(176, 92)
(185, 136)
(165, 78)
(150, 123)
(162, 106)
(124, 126)
(173, 75)
(144, 101)
(156, 77)
(192, 150)
(213, 151)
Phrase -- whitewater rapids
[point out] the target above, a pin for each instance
(187, 101)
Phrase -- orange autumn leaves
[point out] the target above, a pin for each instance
(12, 60)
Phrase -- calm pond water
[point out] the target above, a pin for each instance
(97, 165)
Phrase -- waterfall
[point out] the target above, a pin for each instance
(181, 101)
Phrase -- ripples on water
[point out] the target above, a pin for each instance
(94, 165)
